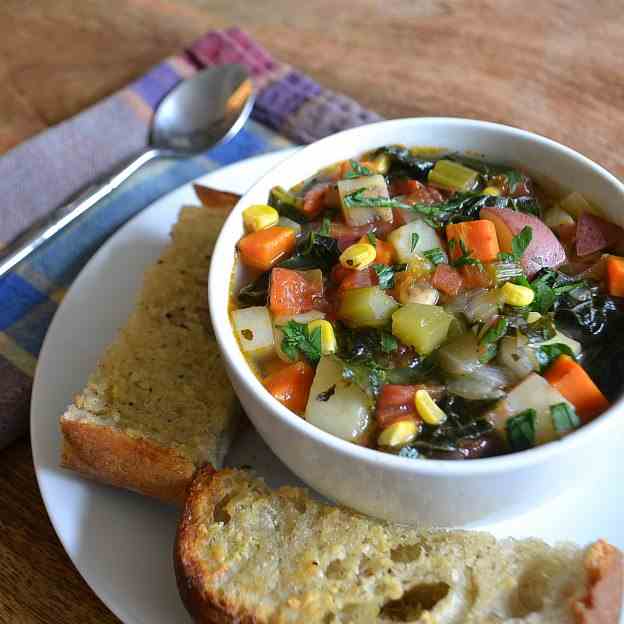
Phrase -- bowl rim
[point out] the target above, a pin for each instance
(239, 366)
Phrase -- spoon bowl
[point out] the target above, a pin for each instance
(204, 111)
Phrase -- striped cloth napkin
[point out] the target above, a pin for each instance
(45, 171)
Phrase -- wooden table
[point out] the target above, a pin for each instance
(551, 67)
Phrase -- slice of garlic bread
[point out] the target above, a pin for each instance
(247, 554)
(159, 403)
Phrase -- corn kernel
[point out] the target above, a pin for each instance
(382, 163)
(359, 256)
(491, 190)
(427, 408)
(532, 317)
(516, 295)
(398, 434)
(260, 217)
(328, 338)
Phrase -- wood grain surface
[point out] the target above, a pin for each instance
(553, 67)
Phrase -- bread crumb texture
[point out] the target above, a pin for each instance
(162, 379)
(245, 553)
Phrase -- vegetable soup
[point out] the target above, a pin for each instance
(432, 305)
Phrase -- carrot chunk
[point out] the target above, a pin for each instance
(478, 238)
(615, 276)
(384, 250)
(291, 385)
(447, 279)
(262, 249)
(577, 386)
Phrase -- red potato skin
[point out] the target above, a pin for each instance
(595, 234)
(545, 250)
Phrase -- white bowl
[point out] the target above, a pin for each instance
(431, 492)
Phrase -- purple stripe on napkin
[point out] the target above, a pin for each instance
(156, 83)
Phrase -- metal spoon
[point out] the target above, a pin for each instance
(199, 113)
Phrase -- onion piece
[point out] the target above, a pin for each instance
(474, 389)
(486, 382)
(515, 354)
(483, 305)
(478, 305)
(461, 355)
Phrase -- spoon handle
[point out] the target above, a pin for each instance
(61, 217)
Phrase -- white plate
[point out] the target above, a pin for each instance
(121, 542)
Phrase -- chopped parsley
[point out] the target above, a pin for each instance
(548, 286)
(466, 255)
(356, 199)
(519, 245)
(564, 417)
(414, 241)
(358, 170)
(435, 256)
(325, 227)
(520, 430)
(514, 178)
(385, 275)
(388, 342)
(495, 332)
(297, 339)
(546, 354)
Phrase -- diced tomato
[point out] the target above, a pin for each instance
(291, 292)
(415, 192)
(404, 186)
(398, 217)
(358, 279)
(338, 273)
(447, 279)
(314, 200)
(396, 402)
(475, 276)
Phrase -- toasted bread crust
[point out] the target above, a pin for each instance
(106, 455)
(191, 579)
(212, 197)
(602, 604)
